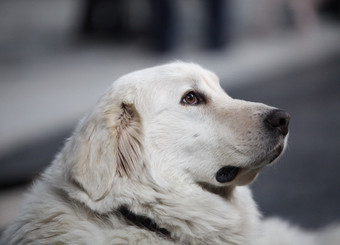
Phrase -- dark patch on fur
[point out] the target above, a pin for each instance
(143, 222)
(222, 191)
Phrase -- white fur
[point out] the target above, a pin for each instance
(142, 148)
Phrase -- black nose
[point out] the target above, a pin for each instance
(278, 120)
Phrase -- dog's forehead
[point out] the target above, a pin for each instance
(186, 74)
(167, 81)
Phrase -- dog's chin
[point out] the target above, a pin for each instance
(276, 153)
(233, 175)
(270, 157)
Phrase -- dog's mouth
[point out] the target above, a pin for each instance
(229, 173)
(276, 153)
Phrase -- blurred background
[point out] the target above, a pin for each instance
(58, 57)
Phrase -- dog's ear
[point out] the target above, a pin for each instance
(106, 146)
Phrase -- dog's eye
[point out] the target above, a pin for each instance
(190, 99)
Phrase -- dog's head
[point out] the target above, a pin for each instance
(177, 124)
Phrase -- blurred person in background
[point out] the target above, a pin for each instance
(273, 15)
(112, 17)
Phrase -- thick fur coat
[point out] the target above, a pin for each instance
(163, 158)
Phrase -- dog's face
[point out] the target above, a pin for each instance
(179, 124)
(192, 128)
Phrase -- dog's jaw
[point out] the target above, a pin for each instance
(246, 175)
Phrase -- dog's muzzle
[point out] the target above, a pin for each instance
(276, 122)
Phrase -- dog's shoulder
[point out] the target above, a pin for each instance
(45, 215)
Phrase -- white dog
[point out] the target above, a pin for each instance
(163, 158)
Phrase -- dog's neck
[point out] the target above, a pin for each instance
(175, 213)
(150, 224)
(228, 211)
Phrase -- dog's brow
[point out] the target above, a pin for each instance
(210, 82)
